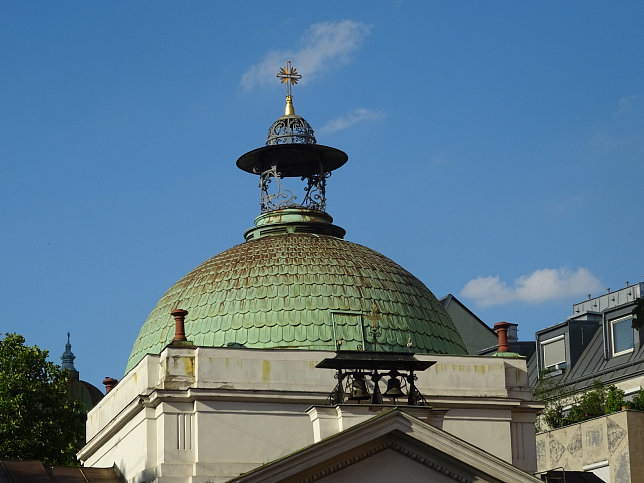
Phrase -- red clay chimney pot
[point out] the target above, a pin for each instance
(109, 384)
(179, 324)
(501, 328)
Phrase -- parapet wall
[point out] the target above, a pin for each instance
(608, 445)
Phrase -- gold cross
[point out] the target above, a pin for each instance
(374, 316)
(289, 76)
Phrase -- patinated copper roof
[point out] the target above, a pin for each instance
(295, 283)
(301, 291)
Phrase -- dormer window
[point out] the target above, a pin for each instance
(553, 352)
(622, 335)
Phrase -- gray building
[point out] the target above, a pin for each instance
(475, 333)
(596, 343)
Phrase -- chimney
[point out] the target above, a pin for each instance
(109, 384)
(179, 324)
(501, 328)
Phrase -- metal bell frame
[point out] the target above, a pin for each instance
(349, 382)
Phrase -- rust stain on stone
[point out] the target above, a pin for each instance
(189, 366)
(303, 279)
(266, 371)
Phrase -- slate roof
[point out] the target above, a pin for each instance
(449, 298)
(533, 373)
(592, 366)
(280, 292)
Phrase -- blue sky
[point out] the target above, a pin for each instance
(495, 150)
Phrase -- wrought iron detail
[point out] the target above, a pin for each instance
(283, 198)
(315, 191)
(354, 368)
(337, 395)
(414, 396)
(291, 129)
(375, 316)
(342, 390)
(292, 161)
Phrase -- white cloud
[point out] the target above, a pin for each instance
(567, 206)
(322, 44)
(440, 159)
(352, 117)
(540, 286)
(625, 104)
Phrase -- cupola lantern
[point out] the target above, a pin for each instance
(291, 151)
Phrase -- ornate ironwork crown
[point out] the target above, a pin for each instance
(290, 129)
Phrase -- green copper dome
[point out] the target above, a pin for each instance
(296, 284)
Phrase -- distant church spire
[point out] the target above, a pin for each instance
(68, 357)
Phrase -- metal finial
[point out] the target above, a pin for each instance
(288, 75)
(375, 316)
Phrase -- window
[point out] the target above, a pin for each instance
(622, 335)
(553, 352)
(599, 469)
(629, 394)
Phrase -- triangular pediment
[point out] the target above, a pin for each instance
(391, 447)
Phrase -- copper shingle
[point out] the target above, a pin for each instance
(281, 291)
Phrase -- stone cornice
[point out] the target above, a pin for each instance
(395, 430)
(112, 428)
(405, 450)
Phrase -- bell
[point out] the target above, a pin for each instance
(393, 388)
(359, 388)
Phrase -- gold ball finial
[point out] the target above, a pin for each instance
(288, 75)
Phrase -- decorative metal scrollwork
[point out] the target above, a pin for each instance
(315, 191)
(359, 374)
(315, 198)
(406, 387)
(273, 201)
(291, 129)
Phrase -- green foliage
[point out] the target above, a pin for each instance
(549, 392)
(37, 421)
(638, 401)
(638, 314)
(614, 400)
(554, 414)
(599, 401)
